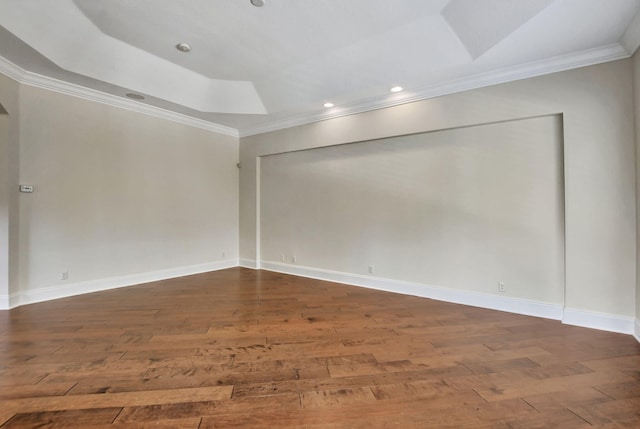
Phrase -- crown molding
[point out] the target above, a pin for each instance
(11, 70)
(612, 52)
(40, 81)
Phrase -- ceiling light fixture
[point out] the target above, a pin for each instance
(183, 47)
(327, 104)
(134, 96)
(396, 89)
(257, 3)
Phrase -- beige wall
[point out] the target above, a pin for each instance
(597, 110)
(9, 159)
(5, 187)
(118, 193)
(636, 98)
(466, 208)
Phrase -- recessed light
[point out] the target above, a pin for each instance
(257, 3)
(327, 104)
(396, 89)
(135, 96)
(183, 47)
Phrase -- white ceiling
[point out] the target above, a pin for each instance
(257, 69)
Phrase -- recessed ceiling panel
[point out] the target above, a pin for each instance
(367, 66)
(604, 25)
(480, 25)
(231, 39)
(80, 47)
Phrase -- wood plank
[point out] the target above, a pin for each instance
(152, 397)
(151, 413)
(64, 418)
(550, 403)
(625, 410)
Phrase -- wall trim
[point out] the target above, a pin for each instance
(249, 263)
(52, 84)
(4, 302)
(569, 316)
(588, 57)
(476, 299)
(63, 291)
(601, 321)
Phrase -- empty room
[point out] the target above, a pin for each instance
(319, 214)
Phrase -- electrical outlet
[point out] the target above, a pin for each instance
(283, 258)
(294, 259)
(501, 287)
(224, 253)
(64, 275)
(371, 269)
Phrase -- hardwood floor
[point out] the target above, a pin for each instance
(255, 349)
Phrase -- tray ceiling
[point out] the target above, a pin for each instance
(252, 69)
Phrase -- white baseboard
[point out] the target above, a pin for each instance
(571, 316)
(4, 302)
(249, 263)
(55, 292)
(476, 299)
(601, 321)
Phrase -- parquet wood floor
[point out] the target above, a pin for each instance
(255, 349)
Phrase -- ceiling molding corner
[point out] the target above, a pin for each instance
(11, 70)
(589, 57)
(631, 37)
(25, 77)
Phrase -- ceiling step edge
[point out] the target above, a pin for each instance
(45, 82)
(612, 52)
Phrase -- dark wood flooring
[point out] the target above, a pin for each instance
(255, 349)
